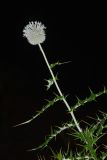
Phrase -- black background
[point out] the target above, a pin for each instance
(73, 34)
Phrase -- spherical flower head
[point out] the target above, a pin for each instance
(34, 32)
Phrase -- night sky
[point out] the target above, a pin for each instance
(71, 35)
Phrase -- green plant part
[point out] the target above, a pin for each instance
(50, 82)
(90, 136)
(104, 156)
(93, 96)
(58, 156)
(53, 135)
(53, 65)
(48, 105)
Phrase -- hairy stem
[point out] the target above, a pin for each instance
(56, 84)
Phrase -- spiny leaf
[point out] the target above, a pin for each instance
(49, 104)
(104, 156)
(92, 97)
(58, 63)
(92, 134)
(53, 135)
(58, 155)
(50, 82)
(80, 102)
(60, 97)
(101, 124)
(88, 138)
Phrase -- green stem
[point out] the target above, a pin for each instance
(56, 84)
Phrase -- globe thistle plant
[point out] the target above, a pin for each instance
(89, 136)
(35, 34)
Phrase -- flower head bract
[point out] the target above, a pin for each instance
(34, 32)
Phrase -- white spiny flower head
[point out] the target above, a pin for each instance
(34, 32)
